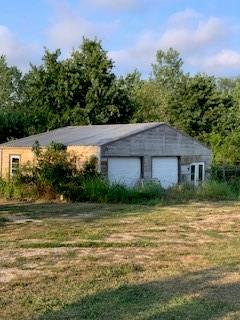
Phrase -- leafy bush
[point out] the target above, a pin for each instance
(56, 171)
(225, 173)
(53, 167)
(97, 189)
(235, 185)
(2, 186)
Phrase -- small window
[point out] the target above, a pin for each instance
(14, 165)
(200, 172)
(192, 172)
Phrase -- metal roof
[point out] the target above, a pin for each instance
(83, 135)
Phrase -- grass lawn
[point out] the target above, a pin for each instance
(119, 262)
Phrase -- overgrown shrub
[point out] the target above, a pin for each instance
(100, 190)
(52, 168)
(225, 173)
(53, 173)
(14, 190)
(56, 172)
(139, 194)
(208, 190)
(214, 190)
(181, 192)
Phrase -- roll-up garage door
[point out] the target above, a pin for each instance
(165, 169)
(124, 170)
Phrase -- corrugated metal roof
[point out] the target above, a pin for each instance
(83, 135)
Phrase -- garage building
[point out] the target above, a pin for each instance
(127, 153)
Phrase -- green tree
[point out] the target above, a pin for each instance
(131, 84)
(44, 97)
(151, 103)
(227, 85)
(13, 123)
(203, 108)
(11, 85)
(197, 104)
(226, 149)
(79, 90)
(167, 71)
(160, 96)
(170, 80)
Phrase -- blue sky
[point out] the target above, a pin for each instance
(205, 32)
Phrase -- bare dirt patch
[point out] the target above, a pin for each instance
(10, 274)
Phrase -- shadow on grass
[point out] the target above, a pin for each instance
(199, 295)
(85, 211)
(90, 211)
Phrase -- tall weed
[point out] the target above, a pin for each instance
(213, 190)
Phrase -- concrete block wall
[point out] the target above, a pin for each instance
(159, 141)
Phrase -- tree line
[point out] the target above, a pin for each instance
(83, 89)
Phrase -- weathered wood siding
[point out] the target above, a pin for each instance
(159, 141)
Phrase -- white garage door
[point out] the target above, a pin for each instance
(124, 170)
(165, 169)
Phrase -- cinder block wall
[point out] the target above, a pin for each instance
(159, 141)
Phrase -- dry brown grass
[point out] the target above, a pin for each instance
(86, 261)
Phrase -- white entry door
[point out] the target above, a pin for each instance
(197, 170)
(124, 170)
(165, 169)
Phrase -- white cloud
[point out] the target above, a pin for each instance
(116, 5)
(17, 52)
(204, 42)
(69, 32)
(214, 29)
(186, 31)
(192, 38)
(223, 62)
(140, 56)
(182, 17)
(68, 28)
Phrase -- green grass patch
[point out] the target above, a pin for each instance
(4, 220)
(214, 234)
(99, 261)
(88, 244)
